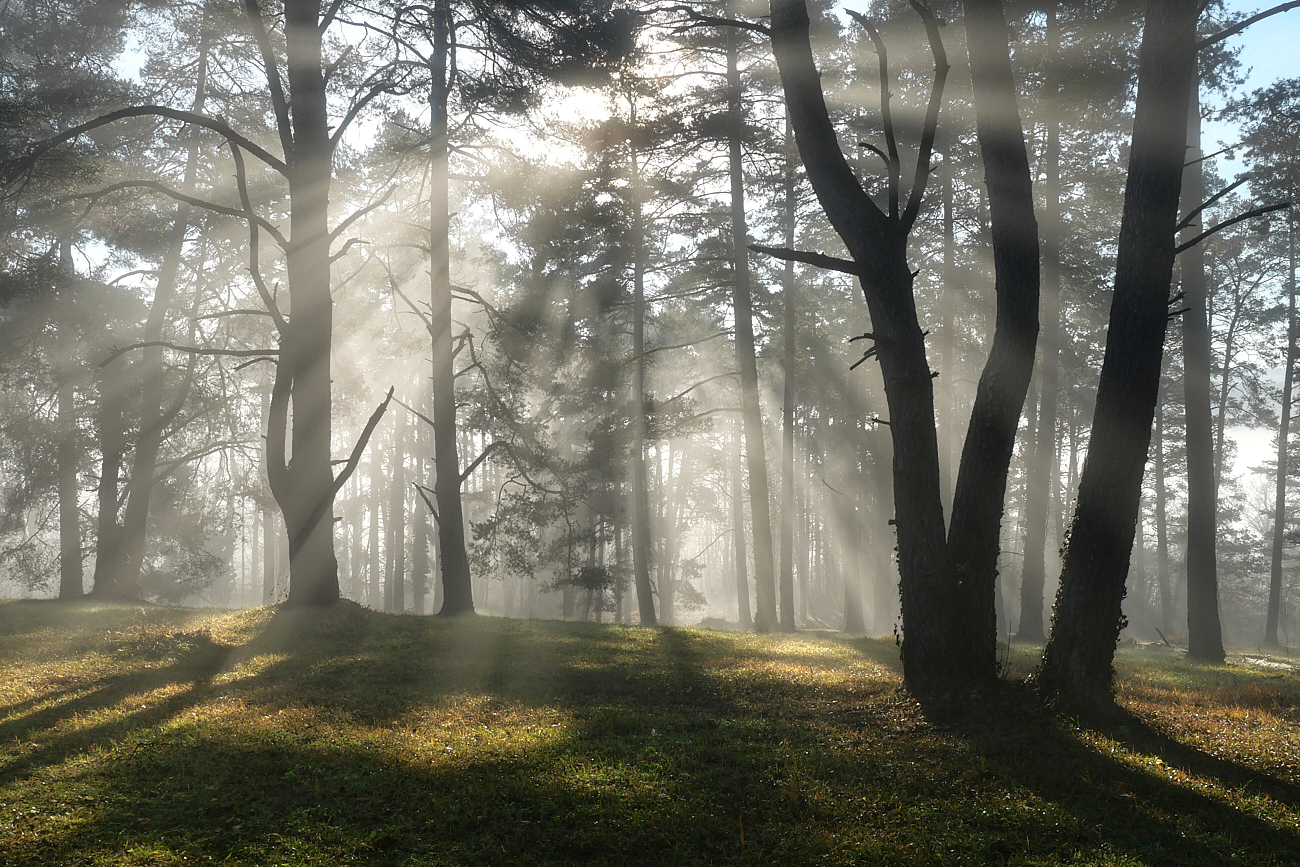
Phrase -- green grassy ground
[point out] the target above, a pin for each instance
(133, 736)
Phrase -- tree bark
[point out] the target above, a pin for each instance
(786, 582)
(1040, 469)
(1273, 616)
(122, 570)
(304, 484)
(68, 455)
(948, 615)
(765, 617)
(974, 533)
(738, 531)
(1077, 662)
(1204, 633)
(457, 586)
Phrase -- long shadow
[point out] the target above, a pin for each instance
(654, 747)
(1132, 809)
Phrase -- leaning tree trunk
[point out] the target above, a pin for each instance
(1042, 457)
(457, 587)
(1078, 659)
(1283, 451)
(978, 500)
(765, 619)
(1204, 633)
(122, 571)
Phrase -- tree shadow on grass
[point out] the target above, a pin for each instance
(1162, 812)
(355, 737)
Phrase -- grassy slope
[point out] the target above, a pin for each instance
(163, 736)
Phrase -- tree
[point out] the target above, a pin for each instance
(947, 583)
(1079, 653)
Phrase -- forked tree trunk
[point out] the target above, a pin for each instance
(948, 614)
(1078, 659)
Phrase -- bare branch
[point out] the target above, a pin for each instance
(820, 260)
(1190, 218)
(43, 147)
(274, 85)
(254, 265)
(189, 200)
(357, 450)
(1229, 32)
(886, 115)
(193, 350)
(931, 127)
(1258, 212)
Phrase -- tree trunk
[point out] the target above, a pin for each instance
(1283, 451)
(1044, 452)
(948, 616)
(1204, 633)
(68, 454)
(1162, 526)
(1078, 659)
(112, 447)
(765, 618)
(640, 505)
(457, 587)
(978, 500)
(396, 590)
(788, 399)
(123, 569)
(304, 484)
(738, 531)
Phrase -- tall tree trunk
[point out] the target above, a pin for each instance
(304, 484)
(457, 586)
(640, 505)
(1283, 449)
(1204, 633)
(1043, 454)
(765, 618)
(788, 397)
(1078, 659)
(68, 450)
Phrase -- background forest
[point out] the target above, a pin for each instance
(491, 284)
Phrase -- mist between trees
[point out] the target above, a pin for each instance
(775, 318)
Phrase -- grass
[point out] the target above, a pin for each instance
(134, 735)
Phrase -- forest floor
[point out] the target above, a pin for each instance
(137, 735)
